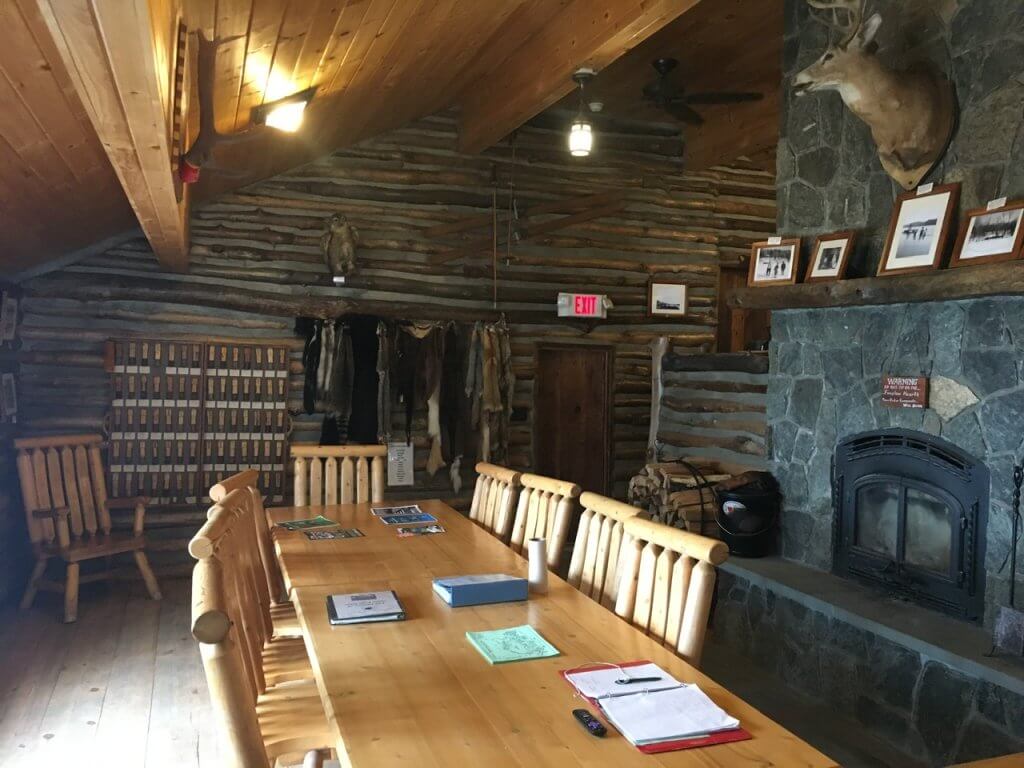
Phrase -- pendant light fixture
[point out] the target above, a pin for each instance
(581, 132)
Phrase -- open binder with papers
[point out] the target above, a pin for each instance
(660, 714)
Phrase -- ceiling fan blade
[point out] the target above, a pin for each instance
(722, 98)
(684, 113)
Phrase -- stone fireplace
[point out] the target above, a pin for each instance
(908, 509)
(824, 392)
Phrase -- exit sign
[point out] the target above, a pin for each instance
(583, 305)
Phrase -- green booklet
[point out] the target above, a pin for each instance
(300, 525)
(500, 646)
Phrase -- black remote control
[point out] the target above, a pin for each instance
(591, 723)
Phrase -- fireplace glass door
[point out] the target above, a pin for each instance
(901, 525)
(911, 511)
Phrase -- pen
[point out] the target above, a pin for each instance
(629, 680)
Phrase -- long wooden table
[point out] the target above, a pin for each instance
(416, 693)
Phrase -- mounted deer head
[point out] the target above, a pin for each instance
(911, 113)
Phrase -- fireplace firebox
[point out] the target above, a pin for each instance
(910, 516)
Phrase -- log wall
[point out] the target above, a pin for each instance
(713, 408)
(256, 264)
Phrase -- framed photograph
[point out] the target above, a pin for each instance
(8, 318)
(989, 236)
(774, 263)
(919, 231)
(830, 256)
(8, 396)
(666, 298)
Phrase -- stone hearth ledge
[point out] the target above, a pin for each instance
(955, 643)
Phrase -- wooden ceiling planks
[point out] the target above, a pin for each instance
(725, 45)
(539, 73)
(378, 65)
(108, 48)
(57, 191)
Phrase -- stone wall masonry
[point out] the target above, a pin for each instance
(922, 707)
(825, 384)
(829, 176)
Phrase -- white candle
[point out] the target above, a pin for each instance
(537, 552)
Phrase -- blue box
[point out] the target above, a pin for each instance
(459, 591)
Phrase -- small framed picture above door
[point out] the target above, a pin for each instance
(666, 298)
(774, 262)
(830, 256)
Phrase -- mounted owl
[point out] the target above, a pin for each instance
(339, 244)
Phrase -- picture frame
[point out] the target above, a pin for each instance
(990, 235)
(830, 257)
(774, 262)
(919, 230)
(8, 396)
(670, 294)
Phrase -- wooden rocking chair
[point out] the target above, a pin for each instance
(64, 490)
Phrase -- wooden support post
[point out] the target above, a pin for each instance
(71, 593)
(658, 349)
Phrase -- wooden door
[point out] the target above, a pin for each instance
(738, 328)
(572, 415)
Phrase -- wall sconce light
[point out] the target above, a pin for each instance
(581, 132)
(284, 114)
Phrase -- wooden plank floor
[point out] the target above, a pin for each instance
(123, 686)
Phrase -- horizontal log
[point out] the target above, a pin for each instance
(740, 361)
(1003, 279)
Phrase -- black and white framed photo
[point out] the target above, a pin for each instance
(774, 262)
(830, 256)
(919, 230)
(666, 298)
(8, 397)
(991, 235)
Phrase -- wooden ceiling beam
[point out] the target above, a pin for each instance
(116, 53)
(538, 73)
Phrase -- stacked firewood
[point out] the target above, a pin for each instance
(673, 494)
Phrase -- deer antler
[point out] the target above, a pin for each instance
(201, 151)
(855, 18)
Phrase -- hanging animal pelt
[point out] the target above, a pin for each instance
(339, 243)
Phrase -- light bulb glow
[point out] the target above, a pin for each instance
(287, 117)
(581, 138)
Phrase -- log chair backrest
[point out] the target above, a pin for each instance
(63, 471)
(231, 622)
(594, 568)
(545, 510)
(271, 569)
(494, 498)
(339, 474)
(666, 582)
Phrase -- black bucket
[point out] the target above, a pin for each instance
(746, 516)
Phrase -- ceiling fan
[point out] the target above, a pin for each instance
(663, 93)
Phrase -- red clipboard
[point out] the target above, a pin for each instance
(722, 737)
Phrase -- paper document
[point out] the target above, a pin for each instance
(600, 683)
(648, 718)
(513, 644)
(364, 607)
(300, 525)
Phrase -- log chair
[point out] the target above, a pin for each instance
(666, 583)
(494, 498)
(64, 491)
(320, 478)
(258, 725)
(282, 612)
(594, 568)
(545, 510)
(230, 534)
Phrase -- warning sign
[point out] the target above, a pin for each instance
(905, 391)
